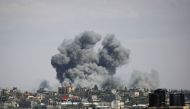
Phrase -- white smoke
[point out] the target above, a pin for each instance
(144, 80)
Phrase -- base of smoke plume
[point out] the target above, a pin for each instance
(138, 79)
(109, 82)
(45, 85)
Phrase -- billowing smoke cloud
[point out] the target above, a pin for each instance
(144, 80)
(45, 84)
(113, 54)
(79, 64)
(112, 83)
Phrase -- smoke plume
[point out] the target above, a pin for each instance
(113, 54)
(144, 80)
(45, 84)
(112, 83)
(79, 64)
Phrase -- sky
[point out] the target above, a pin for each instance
(157, 33)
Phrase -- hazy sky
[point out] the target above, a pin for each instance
(157, 32)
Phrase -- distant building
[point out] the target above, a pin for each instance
(66, 89)
(104, 104)
(24, 104)
(116, 104)
(157, 100)
(134, 93)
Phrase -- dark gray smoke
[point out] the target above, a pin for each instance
(113, 54)
(79, 64)
(144, 80)
(45, 84)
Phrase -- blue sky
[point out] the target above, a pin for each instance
(156, 32)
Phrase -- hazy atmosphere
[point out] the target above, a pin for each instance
(156, 32)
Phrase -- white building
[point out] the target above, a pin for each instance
(116, 104)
